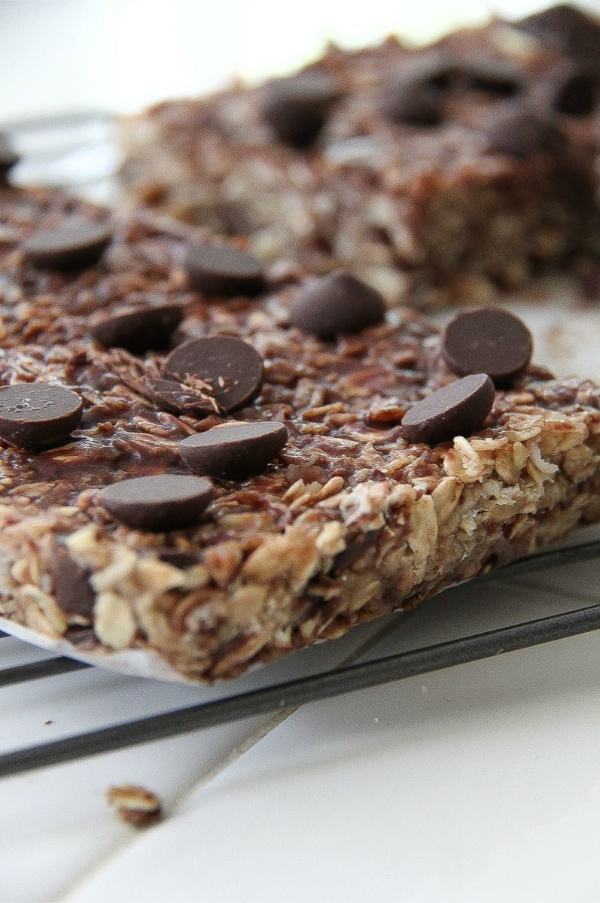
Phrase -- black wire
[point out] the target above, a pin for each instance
(36, 670)
(311, 688)
(306, 689)
(550, 558)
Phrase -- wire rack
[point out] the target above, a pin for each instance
(77, 151)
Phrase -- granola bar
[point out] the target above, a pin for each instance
(322, 504)
(441, 175)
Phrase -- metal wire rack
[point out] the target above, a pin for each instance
(314, 687)
(51, 146)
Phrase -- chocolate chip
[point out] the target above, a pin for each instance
(553, 23)
(336, 304)
(355, 547)
(179, 559)
(578, 95)
(230, 368)
(296, 108)
(158, 503)
(71, 585)
(8, 156)
(589, 281)
(412, 103)
(522, 134)
(487, 340)
(234, 450)
(490, 76)
(224, 271)
(176, 398)
(416, 95)
(571, 90)
(139, 329)
(38, 415)
(458, 409)
(568, 29)
(75, 244)
(82, 637)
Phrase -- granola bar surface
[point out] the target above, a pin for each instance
(349, 522)
(429, 212)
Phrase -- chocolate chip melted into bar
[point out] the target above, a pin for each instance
(234, 450)
(342, 400)
(158, 503)
(458, 409)
(38, 415)
(230, 369)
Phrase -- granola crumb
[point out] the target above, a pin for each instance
(135, 805)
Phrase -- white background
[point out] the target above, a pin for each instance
(123, 54)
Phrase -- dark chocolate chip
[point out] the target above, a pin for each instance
(224, 271)
(458, 409)
(158, 503)
(230, 368)
(589, 282)
(522, 134)
(416, 95)
(487, 340)
(38, 415)
(568, 29)
(234, 450)
(82, 637)
(412, 103)
(490, 76)
(578, 95)
(336, 304)
(553, 23)
(296, 108)
(75, 244)
(179, 559)
(139, 329)
(355, 547)
(72, 585)
(573, 91)
(178, 399)
(8, 156)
